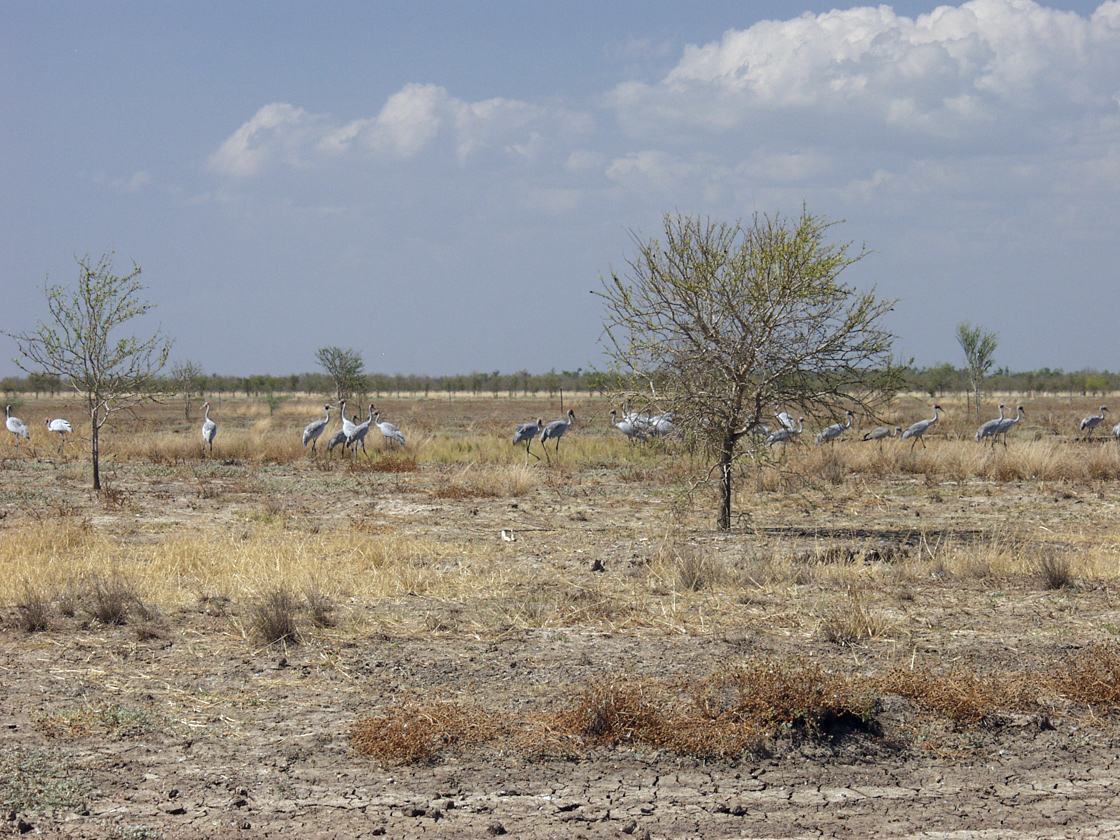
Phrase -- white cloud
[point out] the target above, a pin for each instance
(942, 75)
(414, 121)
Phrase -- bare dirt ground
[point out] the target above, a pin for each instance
(187, 729)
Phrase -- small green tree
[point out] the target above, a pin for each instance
(189, 377)
(79, 342)
(346, 370)
(979, 346)
(723, 321)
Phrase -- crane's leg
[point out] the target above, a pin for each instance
(528, 445)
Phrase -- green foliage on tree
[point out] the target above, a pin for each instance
(81, 342)
(346, 369)
(719, 322)
(979, 346)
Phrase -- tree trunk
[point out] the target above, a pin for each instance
(725, 456)
(95, 455)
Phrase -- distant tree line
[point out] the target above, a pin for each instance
(936, 381)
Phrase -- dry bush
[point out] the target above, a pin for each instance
(34, 610)
(963, 695)
(320, 607)
(1090, 676)
(687, 568)
(110, 599)
(273, 618)
(853, 621)
(419, 731)
(1055, 570)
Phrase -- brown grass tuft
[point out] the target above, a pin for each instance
(274, 618)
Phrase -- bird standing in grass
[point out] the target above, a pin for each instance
(62, 428)
(785, 434)
(358, 436)
(525, 432)
(988, 430)
(917, 430)
(388, 429)
(209, 430)
(631, 429)
(555, 430)
(313, 431)
(16, 426)
(1092, 421)
(1005, 426)
(830, 433)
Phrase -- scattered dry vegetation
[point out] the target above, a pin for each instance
(969, 582)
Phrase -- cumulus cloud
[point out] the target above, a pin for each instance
(411, 123)
(947, 74)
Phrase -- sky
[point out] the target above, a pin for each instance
(440, 185)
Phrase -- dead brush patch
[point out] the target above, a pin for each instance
(419, 731)
(386, 464)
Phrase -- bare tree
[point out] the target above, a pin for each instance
(188, 376)
(346, 369)
(979, 346)
(720, 322)
(79, 343)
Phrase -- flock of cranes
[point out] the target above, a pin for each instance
(636, 426)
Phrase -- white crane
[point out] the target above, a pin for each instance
(359, 434)
(830, 433)
(988, 429)
(784, 434)
(388, 429)
(628, 427)
(17, 427)
(660, 424)
(917, 430)
(209, 430)
(1116, 431)
(555, 430)
(348, 426)
(1091, 422)
(62, 428)
(313, 431)
(880, 433)
(525, 432)
(1005, 426)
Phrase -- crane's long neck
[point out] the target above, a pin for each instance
(800, 425)
(370, 414)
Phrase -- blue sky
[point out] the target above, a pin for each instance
(440, 185)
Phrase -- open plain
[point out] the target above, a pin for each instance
(453, 639)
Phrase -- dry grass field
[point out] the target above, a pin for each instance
(454, 639)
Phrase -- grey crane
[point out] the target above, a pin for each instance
(879, 433)
(555, 430)
(631, 429)
(358, 436)
(17, 427)
(1116, 431)
(526, 432)
(785, 418)
(829, 433)
(917, 430)
(388, 429)
(785, 434)
(313, 431)
(1006, 425)
(337, 439)
(60, 427)
(209, 430)
(988, 430)
(1092, 421)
